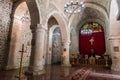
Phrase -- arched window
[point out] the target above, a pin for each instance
(90, 28)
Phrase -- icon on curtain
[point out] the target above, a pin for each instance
(91, 40)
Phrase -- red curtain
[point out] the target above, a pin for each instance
(98, 44)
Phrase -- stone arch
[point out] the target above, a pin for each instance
(75, 31)
(88, 14)
(91, 20)
(33, 9)
(62, 24)
(63, 28)
(34, 20)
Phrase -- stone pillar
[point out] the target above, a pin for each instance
(37, 54)
(66, 61)
(45, 47)
(49, 56)
(115, 52)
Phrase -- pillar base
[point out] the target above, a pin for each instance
(32, 73)
(115, 68)
(10, 67)
(66, 65)
(115, 64)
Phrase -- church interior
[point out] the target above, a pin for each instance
(59, 40)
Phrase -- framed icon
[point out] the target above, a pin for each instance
(116, 49)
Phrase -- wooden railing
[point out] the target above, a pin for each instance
(104, 62)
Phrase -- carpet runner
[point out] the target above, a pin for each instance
(80, 74)
(102, 76)
(88, 74)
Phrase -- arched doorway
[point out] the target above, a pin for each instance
(55, 41)
(23, 19)
(20, 34)
(54, 18)
(91, 38)
(56, 45)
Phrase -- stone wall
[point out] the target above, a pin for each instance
(20, 34)
(114, 23)
(114, 35)
(5, 12)
(26, 37)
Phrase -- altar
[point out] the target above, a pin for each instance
(91, 37)
(85, 60)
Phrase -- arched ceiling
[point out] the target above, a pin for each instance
(21, 10)
(52, 21)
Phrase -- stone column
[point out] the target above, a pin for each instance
(45, 47)
(66, 61)
(49, 55)
(37, 54)
(115, 52)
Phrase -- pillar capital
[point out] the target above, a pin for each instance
(38, 27)
(66, 43)
(41, 26)
(33, 27)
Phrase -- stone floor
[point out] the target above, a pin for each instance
(58, 72)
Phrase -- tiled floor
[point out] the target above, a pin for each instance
(58, 72)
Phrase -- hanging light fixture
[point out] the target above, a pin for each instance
(73, 7)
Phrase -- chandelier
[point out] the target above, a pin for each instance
(73, 7)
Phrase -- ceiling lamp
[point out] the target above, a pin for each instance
(73, 7)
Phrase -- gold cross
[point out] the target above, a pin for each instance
(91, 40)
